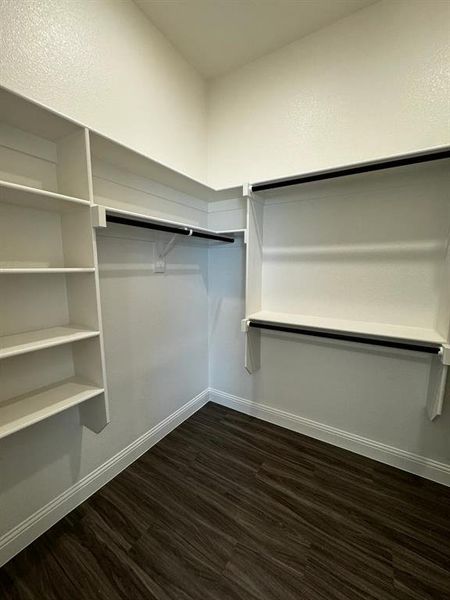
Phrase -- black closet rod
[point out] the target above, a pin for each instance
(169, 228)
(344, 171)
(348, 337)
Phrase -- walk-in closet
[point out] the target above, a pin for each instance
(224, 300)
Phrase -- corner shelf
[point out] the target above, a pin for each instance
(23, 411)
(21, 195)
(31, 341)
(402, 333)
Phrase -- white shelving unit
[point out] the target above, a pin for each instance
(51, 342)
(365, 256)
(51, 168)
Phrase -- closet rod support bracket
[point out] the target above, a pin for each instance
(247, 191)
(444, 354)
(244, 325)
(98, 215)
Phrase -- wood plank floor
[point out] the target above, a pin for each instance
(228, 507)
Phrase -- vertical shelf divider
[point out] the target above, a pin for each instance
(253, 277)
(94, 414)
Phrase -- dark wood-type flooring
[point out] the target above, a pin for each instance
(228, 507)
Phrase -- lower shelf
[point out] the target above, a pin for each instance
(23, 411)
(362, 328)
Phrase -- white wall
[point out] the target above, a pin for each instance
(371, 85)
(362, 248)
(105, 65)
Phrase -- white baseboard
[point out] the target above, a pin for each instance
(26, 532)
(407, 461)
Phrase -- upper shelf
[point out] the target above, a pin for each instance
(125, 217)
(34, 118)
(22, 195)
(439, 153)
(122, 157)
(385, 331)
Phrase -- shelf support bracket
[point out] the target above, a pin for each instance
(437, 382)
(247, 191)
(94, 414)
(161, 250)
(252, 347)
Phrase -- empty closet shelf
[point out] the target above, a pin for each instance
(23, 411)
(372, 332)
(49, 270)
(133, 219)
(22, 195)
(31, 341)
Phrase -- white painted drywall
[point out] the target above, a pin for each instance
(105, 65)
(366, 248)
(370, 85)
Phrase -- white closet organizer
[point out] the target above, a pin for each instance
(363, 259)
(129, 188)
(51, 340)
(359, 255)
(51, 348)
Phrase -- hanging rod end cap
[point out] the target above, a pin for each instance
(244, 325)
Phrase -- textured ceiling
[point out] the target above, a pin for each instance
(216, 36)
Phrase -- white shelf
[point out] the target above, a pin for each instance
(36, 270)
(122, 157)
(195, 239)
(31, 341)
(21, 195)
(23, 411)
(363, 328)
(157, 220)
